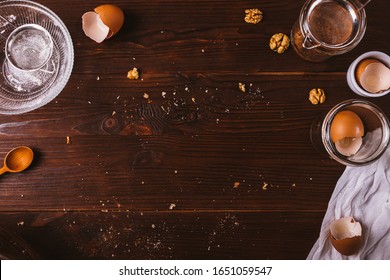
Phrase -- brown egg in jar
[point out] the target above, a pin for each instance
(345, 234)
(373, 76)
(346, 132)
(102, 23)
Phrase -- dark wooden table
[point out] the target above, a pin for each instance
(180, 174)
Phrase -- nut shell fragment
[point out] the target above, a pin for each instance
(279, 42)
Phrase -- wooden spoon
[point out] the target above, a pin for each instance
(18, 159)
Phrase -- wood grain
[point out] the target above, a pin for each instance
(180, 164)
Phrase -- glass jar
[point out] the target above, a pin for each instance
(375, 139)
(326, 28)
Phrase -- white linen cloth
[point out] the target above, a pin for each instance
(363, 193)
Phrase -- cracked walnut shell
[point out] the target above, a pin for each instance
(317, 96)
(253, 16)
(279, 42)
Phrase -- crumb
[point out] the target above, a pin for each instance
(236, 185)
(146, 96)
(193, 99)
(133, 74)
(97, 78)
(265, 185)
(173, 205)
(241, 86)
(21, 223)
(68, 140)
(253, 16)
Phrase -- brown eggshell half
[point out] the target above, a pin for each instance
(347, 246)
(361, 67)
(112, 16)
(346, 124)
(345, 234)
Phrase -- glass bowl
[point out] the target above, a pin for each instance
(375, 140)
(28, 32)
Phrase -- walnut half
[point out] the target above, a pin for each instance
(317, 96)
(279, 42)
(253, 16)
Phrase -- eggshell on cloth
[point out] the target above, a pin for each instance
(364, 193)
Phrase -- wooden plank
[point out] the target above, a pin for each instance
(198, 36)
(173, 235)
(180, 104)
(149, 173)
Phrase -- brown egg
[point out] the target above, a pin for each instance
(103, 23)
(345, 234)
(346, 131)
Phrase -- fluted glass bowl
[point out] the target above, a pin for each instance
(23, 89)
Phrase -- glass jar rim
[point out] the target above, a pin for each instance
(340, 48)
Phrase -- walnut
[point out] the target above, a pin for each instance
(279, 42)
(317, 96)
(133, 74)
(253, 16)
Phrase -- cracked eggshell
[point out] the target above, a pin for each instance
(375, 77)
(345, 235)
(102, 23)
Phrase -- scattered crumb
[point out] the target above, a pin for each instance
(133, 74)
(193, 99)
(265, 185)
(241, 86)
(253, 16)
(68, 140)
(21, 223)
(146, 96)
(236, 185)
(163, 94)
(97, 78)
(173, 205)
